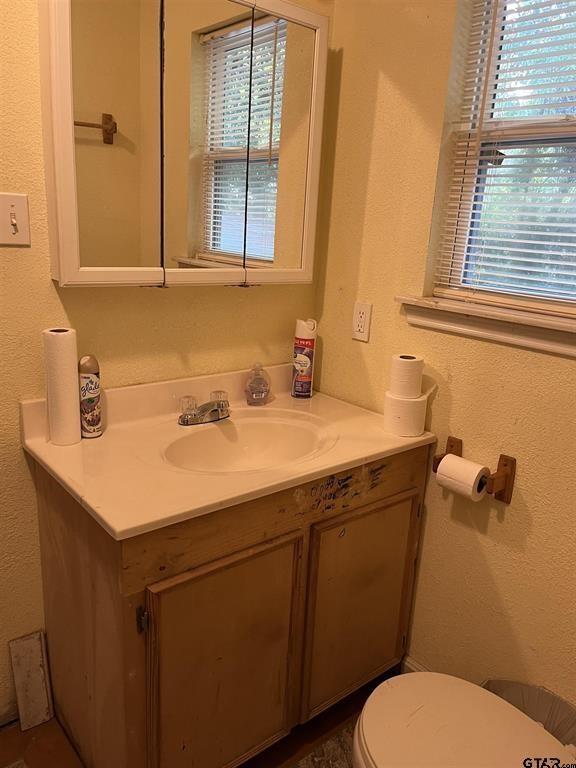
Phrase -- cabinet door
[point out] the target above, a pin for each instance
(361, 573)
(221, 661)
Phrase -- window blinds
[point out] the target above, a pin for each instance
(231, 55)
(508, 223)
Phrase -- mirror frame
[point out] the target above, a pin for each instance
(60, 164)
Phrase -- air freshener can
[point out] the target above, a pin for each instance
(90, 406)
(303, 361)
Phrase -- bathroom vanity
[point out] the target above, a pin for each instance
(199, 636)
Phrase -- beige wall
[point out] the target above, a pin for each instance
(139, 334)
(496, 591)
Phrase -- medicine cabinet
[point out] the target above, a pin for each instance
(182, 140)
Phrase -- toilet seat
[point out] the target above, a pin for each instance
(428, 719)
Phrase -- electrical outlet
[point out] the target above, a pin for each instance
(361, 321)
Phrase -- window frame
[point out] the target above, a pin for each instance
(511, 132)
(545, 324)
(507, 134)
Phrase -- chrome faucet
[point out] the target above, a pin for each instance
(216, 409)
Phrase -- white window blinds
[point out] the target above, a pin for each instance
(508, 226)
(233, 164)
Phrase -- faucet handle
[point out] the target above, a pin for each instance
(219, 395)
(188, 405)
(189, 410)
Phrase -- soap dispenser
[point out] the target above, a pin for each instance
(257, 386)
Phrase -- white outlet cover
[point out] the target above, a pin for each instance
(14, 219)
(361, 321)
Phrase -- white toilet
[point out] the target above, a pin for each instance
(427, 719)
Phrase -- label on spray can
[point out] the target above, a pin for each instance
(90, 408)
(303, 367)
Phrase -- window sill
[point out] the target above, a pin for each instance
(531, 330)
(206, 261)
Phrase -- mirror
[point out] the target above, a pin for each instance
(116, 100)
(237, 107)
(183, 138)
(281, 99)
(206, 99)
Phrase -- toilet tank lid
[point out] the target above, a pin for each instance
(429, 719)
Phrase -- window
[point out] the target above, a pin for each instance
(234, 166)
(507, 231)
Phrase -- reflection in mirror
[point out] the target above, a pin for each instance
(283, 68)
(206, 109)
(230, 202)
(116, 84)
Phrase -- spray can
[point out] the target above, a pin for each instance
(303, 370)
(90, 407)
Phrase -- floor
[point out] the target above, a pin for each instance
(314, 745)
(333, 753)
(45, 746)
(324, 742)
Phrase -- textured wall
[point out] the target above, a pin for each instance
(139, 334)
(496, 592)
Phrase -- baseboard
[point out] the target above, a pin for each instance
(411, 665)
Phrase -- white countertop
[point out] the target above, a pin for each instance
(123, 480)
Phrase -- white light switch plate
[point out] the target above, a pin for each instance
(361, 321)
(14, 219)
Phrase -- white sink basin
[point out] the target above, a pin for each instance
(251, 440)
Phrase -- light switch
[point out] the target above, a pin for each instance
(14, 219)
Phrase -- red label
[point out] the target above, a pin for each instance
(304, 342)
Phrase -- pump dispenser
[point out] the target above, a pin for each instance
(257, 386)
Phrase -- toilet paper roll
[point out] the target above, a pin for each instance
(461, 476)
(62, 397)
(404, 416)
(406, 375)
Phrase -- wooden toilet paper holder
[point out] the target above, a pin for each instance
(500, 483)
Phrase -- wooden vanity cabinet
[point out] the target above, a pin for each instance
(221, 636)
(358, 587)
(201, 643)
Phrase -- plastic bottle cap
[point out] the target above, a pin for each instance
(306, 329)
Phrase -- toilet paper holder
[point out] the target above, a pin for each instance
(500, 483)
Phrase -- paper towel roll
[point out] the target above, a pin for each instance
(406, 375)
(466, 478)
(404, 416)
(62, 397)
